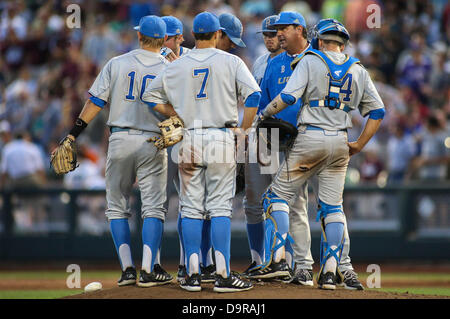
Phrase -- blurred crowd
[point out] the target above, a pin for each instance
(46, 69)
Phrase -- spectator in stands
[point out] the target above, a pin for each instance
(400, 149)
(21, 164)
(434, 156)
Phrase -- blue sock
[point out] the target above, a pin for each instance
(180, 237)
(255, 233)
(221, 240)
(152, 231)
(192, 239)
(334, 233)
(206, 242)
(120, 231)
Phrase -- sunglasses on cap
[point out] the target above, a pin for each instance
(270, 34)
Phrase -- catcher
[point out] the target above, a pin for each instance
(132, 124)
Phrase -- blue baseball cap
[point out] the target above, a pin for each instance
(174, 26)
(290, 17)
(266, 25)
(206, 22)
(233, 28)
(152, 26)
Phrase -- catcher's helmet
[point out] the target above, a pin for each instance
(329, 29)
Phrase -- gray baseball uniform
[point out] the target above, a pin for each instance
(203, 88)
(321, 146)
(259, 67)
(121, 83)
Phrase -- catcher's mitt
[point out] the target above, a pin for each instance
(64, 157)
(286, 135)
(171, 133)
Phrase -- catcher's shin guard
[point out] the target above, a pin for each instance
(326, 248)
(273, 239)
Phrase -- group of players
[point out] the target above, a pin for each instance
(308, 83)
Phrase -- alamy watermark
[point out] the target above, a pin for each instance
(74, 279)
(373, 21)
(73, 20)
(374, 279)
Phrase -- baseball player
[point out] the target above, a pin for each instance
(230, 37)
(330, 84)
(121, 84)
(292, 36)
(272, 45)
(203, 88)
(172, 48)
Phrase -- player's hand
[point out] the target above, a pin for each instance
(354, 148)
(171, 57)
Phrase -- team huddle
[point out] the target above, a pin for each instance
(165, 95)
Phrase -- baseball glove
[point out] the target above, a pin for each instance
(286, 135)
(64, 157)
(171, 133)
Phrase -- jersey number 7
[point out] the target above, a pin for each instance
(197, 73)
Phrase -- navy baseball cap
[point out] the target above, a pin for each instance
(290, 17)
(233, 28)
(152, 26)
(206, 22)
(267, 24)
(174, 26)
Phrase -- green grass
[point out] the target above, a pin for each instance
(437, 291)
(38, 294)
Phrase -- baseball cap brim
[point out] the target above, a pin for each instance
(266, 30)
(237, 41)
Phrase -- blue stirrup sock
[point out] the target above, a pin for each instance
(255, 234)
(221, 240)
(334, 233)
(192, 239)
(180, 237)
(206, 246)
(152, 231)
(282, 220)
(120, 231)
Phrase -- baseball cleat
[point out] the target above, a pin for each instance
(349, 280)
(182, 273)
(246, 272)
(232, 283)
(128, 277)
(327, 281)
(303, 277)
(192, 283)
(275, 270)
(208, 273)
(155, 278)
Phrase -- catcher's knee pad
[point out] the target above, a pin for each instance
(272, 202)
(330, 214)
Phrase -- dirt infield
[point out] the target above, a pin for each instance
(263, 290)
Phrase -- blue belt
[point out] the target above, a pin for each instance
(206, 128)
(340, 106)
(115, 129)
(316, 128)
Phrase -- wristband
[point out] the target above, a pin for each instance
(79, 126)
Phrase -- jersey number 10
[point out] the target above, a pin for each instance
(132, 75)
